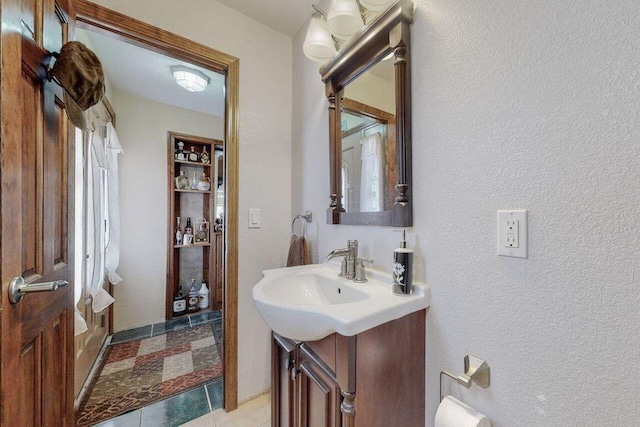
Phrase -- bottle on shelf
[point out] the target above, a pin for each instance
(204, 296)
(179, 303)
(193, 156)
(182, 182)
(194, 298)
(178, 232)
(188, 229)
(180, 154)
(204, 156)
(194, 182)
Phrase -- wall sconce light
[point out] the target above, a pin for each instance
(319, 44)
(344, 20)
(190, 79)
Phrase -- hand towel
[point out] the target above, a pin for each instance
(298, 252)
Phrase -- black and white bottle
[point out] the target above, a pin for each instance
(402, 268)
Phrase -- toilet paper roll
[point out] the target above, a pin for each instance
(453, 413)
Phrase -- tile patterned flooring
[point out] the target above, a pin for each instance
(198, 407)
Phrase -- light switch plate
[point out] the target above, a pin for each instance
(254, 218)
(512, 233)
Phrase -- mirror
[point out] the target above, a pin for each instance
(368, 141)
(370, 123)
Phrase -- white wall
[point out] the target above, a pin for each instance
(142, 129)
(265, 149)
(532, 105)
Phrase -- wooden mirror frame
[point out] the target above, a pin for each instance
(388, 32)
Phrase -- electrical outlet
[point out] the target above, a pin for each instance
(512, 233)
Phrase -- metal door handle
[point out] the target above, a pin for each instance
(18, 289)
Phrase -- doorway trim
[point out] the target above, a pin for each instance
(114, 24)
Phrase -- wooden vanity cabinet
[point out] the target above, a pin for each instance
(376, 378)
(283, 357)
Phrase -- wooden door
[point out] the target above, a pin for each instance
(36, 240)
(318, 392)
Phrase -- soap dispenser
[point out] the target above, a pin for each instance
(402, 267)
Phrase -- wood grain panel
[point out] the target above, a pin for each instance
(325, 349)
(35, 344)
(283, 355)
(28, 19)
(391, 357)
(56, 152)
(319, 393)
(29, 380)
(315, 399)
(31, 181)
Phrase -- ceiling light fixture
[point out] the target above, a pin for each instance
(189, 78)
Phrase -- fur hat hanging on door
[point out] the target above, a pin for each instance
(79, 72)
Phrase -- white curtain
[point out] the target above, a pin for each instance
(96, 224)
(371, 174)
(112, 255)
(103, 216)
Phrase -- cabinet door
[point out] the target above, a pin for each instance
(318, 392)
(283, 353)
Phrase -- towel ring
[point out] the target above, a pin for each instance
(305, 218)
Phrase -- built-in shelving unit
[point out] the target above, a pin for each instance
(202, 261)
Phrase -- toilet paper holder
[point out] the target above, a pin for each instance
(476, 371)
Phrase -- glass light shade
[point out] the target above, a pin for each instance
(344, 19)
(376, 5)
(190, 79)
(318, 44)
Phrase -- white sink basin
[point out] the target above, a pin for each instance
(308, 303)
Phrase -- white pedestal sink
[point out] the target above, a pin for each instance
(309, 302)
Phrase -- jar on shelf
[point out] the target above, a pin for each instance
(205, 183)
(193, 156)
(182, 182)
(180, 154)
(202, 230)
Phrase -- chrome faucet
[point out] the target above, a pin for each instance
(350, 254)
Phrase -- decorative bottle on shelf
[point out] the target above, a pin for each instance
(178, 232)
(204, 296)
(205, 183)
(204, 156)
(180, 154)
(179, 303)
(193, 156)
(194, 182)
(194, 297)
(182, 182)
(188, 229)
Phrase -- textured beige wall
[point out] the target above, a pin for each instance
(516, 104)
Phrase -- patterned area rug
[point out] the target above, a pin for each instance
(141, 372)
